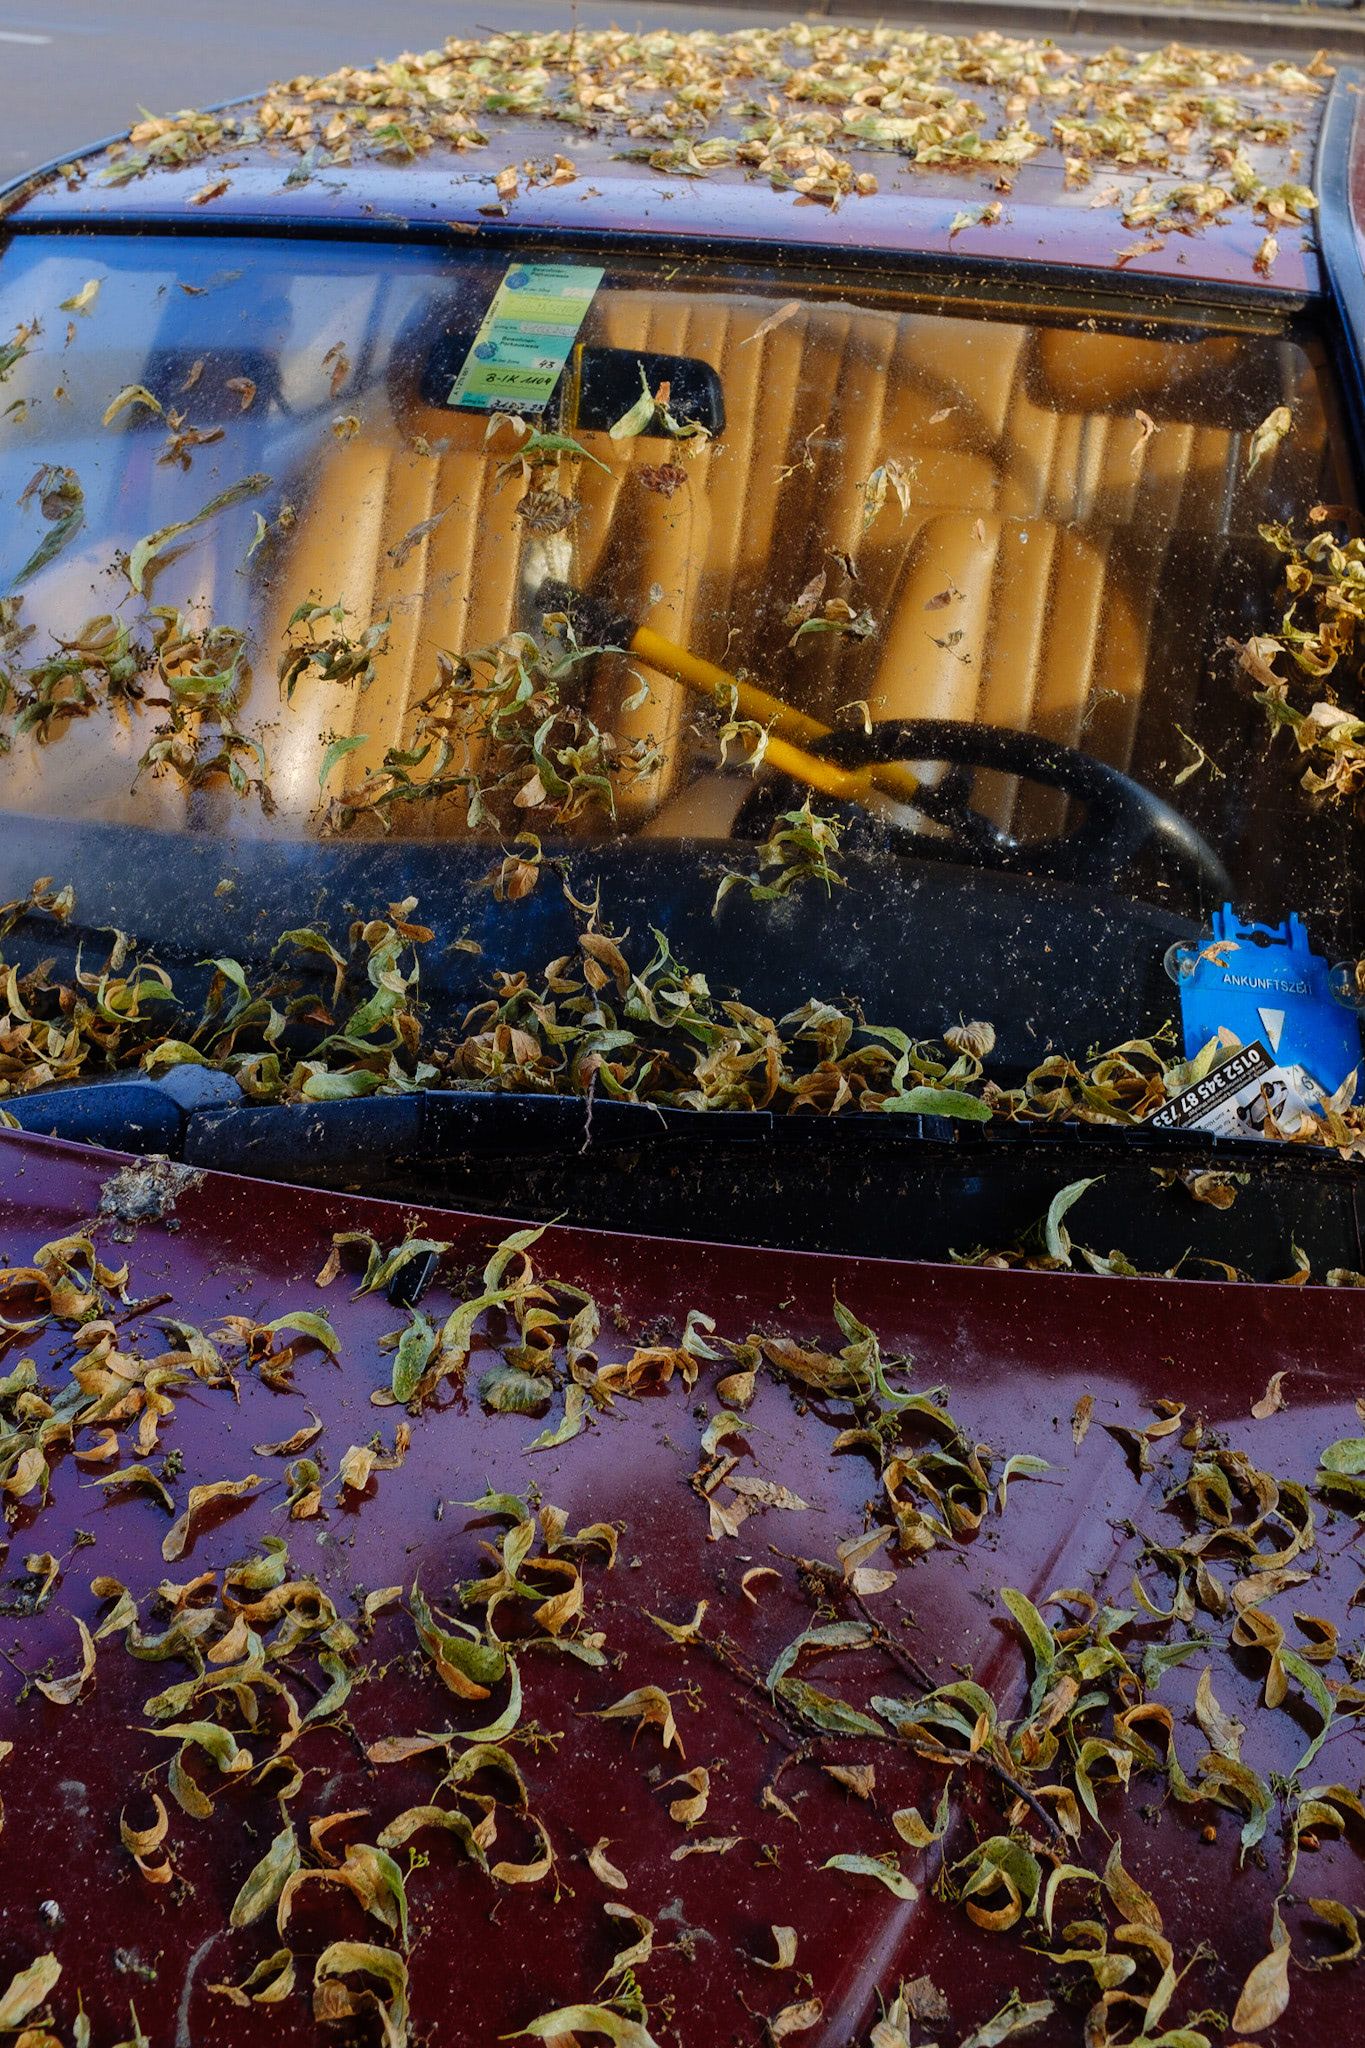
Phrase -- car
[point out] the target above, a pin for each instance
(681, 778)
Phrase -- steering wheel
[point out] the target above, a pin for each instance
(1121, 816)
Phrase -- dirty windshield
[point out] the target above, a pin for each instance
(775, 652)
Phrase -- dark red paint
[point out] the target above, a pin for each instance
(1014, 1350)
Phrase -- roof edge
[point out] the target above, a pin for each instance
(1290, 30)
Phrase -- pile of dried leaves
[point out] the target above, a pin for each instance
(800, 105)
(1325, 582)
(338, 1018)
(1038, 1802)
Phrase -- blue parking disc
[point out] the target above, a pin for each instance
(1265, 982)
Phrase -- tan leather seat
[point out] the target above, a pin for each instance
(1018, 589)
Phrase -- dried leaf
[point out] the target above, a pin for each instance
(1345, 1923)
(639, 1951)
(351, 1958)
(785, 1940)
(1014, 2018)
(602, 1867)
(1080, 1418)
(1268, 436)
(1223, 1732)
(27, 1990)
(689, 1811)
(275, 1976)
(1134, 1905)
(650, 1707)
(63, 1692)
(859, 1779)
(795, 2019)
(1265, 1995)
(131, 394)
(178, 1536)
(1272, 1400)
(883, 1868)
(773, 321)
(570, 2020)
(290, 1446)
(681, 1631)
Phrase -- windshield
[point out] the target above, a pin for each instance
(872, 641)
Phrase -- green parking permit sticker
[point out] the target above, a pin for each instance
(527, 334)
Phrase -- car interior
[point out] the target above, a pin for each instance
(1064, 542)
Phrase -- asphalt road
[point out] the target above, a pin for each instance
(73, 71)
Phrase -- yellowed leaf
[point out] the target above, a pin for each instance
(178, 1536)
(690, 1810)
(602, 1867)
(64, 1691)
(785, 1940)
(1272, 1400)
(1265, 1995)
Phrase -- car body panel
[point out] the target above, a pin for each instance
(1065, 215)
(1044, 221)
(1016, 1352)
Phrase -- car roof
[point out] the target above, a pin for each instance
(1178, 163)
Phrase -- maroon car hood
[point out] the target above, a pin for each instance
(1016, 1351)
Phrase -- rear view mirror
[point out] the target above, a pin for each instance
(609, 385)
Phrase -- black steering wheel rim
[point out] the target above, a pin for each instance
(1121, 815)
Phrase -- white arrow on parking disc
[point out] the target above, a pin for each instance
(1274, 1026)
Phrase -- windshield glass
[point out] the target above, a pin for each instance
(869, 639)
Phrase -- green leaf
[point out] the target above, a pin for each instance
(1056, 1238)
(1040, 1638)
(324, 1087)
(62, 501)
(511, 1390)
(382, 1270)
(834, 1635)
(1014, 2018)
(1162, 1657)
(939, 1102)
(498, 1730)
(84, 299)
(267, 1880)
(412, 1357)
(1346, 1455)
(309, 1324)
(1233, 1783)
(337, 751)
(832, 1716)
(1300, 1668)
(482, 1663)
(153, 545)
(639, 416)
(882, 1868)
